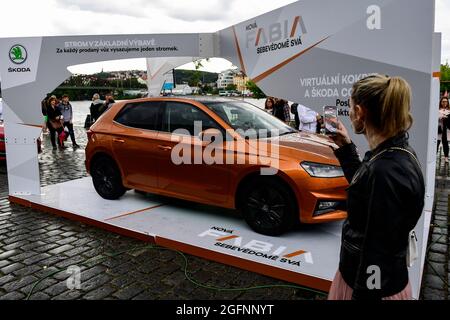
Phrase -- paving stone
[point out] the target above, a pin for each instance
(11, 268)
(437, 257)
(129, 292)
(39, 286)
(434, 282)
(439, 248)
(56, 289)
(4, 263)
(100, 293)
(61, 249)
(66, 240)
(13, 296)
(26, 270)
(91, 272)
(36, 258)
(7, 254)
(69, 295)
(95, 282)
(437, 268)
(39, 296)
(433, 294)
(6, 279)
(17, 284)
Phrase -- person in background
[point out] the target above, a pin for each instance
(268, 106)
(294, 111)
(385, 198)
(54, 118)
(444, 126)
(281, 110)
(67, 112)
(95, 107)
(308, 119)
(109, 101)
(44, 115)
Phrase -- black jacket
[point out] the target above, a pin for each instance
(385, 202)
(53, 113)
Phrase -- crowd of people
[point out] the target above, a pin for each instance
(58, 117)
(305, 119)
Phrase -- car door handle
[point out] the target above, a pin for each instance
(165, 148)
(119, 140)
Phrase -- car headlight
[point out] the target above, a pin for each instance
(319, 170)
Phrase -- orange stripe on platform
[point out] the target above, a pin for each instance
(32, 125)
(294, 254)
(137, 211)
(227, 238)
(271, 271)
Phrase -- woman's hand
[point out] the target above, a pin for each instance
(341, 137)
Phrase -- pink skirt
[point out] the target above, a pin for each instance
(340, 290)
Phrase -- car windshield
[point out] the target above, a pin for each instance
(248, 120)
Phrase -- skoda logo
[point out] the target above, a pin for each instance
(18, 54)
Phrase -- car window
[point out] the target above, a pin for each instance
(141, 115)
(177, 115)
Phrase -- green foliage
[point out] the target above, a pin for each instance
(257, 92)
(184, 76)
(445, 77)
(231, 87)
(195, 79)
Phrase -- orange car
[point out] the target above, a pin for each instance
(275, 175)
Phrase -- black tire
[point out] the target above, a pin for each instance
(268, 206)
(107, 179)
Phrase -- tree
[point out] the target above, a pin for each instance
(257, 92)
(231, 87)
(195, 79)
(445, 77)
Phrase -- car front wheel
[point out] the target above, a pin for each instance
(268, 206)
(107, 179)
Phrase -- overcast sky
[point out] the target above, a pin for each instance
(78, 17)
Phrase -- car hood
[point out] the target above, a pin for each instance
(310, 147)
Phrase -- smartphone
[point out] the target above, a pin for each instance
(330, 119)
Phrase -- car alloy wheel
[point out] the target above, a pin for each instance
(268, 207)
(107, 179)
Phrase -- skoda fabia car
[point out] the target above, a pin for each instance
(225, 153)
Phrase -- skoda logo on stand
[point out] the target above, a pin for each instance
(18, 54)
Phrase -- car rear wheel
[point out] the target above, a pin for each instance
(106, 178)
(268, 206)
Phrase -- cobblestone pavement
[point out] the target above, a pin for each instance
(37, 248)
(437, 267)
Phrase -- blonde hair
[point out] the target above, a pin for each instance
(387, 101)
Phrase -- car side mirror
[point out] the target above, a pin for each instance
(210, 135)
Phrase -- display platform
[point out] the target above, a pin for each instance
(307, 256)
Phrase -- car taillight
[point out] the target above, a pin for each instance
(90, 133)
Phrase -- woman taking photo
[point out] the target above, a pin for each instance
(385, 196)
(444, 125)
